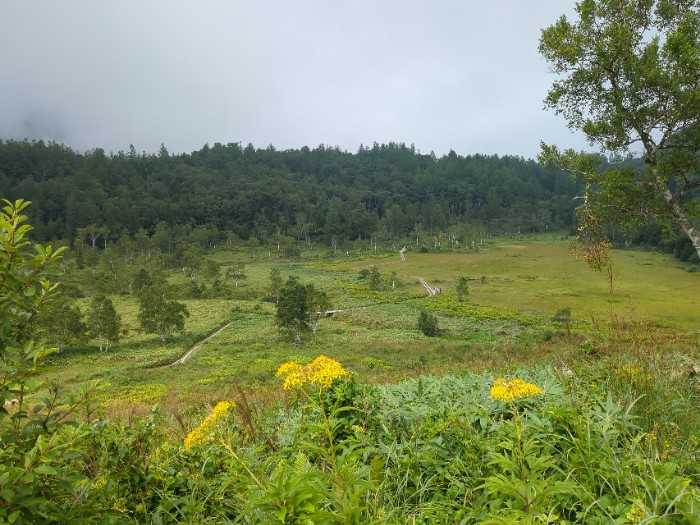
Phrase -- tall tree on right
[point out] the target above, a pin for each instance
(628, 76)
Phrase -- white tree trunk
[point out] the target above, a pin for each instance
(681, 219)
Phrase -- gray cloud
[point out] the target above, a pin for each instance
(441, 75)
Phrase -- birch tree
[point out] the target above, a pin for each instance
(158, 315)
(628, 77)
(103, 321)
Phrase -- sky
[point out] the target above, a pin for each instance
(441, 74)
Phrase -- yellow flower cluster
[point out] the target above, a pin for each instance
(200, 434)
(321, 371)
(512, 390)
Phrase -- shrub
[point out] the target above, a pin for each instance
(427, 323)
(462, 288)
(38, 444)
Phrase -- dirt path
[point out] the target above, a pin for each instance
(197, 346)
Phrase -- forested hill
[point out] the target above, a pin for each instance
(325, 194)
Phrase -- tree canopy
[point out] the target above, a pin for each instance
(103, 321)
(293, 307)
(322, 195)
(628, 76)
(159, 315)
(299, 308)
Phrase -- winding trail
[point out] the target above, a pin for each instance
(198, 345)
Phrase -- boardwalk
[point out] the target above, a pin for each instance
(430, 289)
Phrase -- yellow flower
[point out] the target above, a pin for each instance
(200, 434)
(357, 429)
(322, 371)
(512, 390)
(636, 513)
(287, 368)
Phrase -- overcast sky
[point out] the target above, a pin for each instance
(442, 75)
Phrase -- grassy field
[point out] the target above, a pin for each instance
(506, 415)
(515, 289)
(538, 278)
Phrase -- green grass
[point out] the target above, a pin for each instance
(538, 278)
(505, 323)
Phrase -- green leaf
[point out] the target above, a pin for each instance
(281, 514)
(46, 470)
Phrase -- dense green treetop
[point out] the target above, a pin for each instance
(293, 308)
(628, 76)
(323, 194)
(103, 321)
(160, 315)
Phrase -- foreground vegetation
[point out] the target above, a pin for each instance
(435, 450)
(398, 428)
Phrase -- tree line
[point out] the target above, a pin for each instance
(388, 191)
(166, 204)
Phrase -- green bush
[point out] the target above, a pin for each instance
(427, 323)
(40, 443)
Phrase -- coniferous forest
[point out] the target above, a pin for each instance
(320, 195)
(386, 193)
